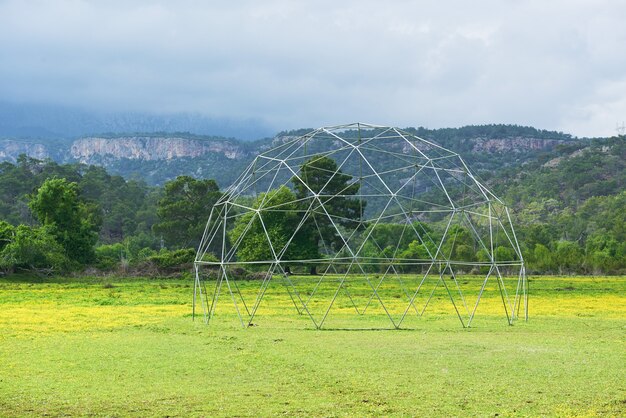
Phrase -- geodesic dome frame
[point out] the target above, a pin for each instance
(381, 218)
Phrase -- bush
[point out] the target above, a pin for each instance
(168, 259)
(238, 273)
(108, 257)
(7, 233)
(34, 249)
(257, 275)
(141, 246)
(145, 253)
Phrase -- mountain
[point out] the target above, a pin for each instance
(569, 205)
(567, 195)
(158, 157)
(571, 174)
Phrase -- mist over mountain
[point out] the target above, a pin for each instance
(40, 121)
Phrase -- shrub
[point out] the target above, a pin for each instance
(34, 249)
(257, 275)
(7, 233)
(168, 259)
(108, 257)
(238, 273)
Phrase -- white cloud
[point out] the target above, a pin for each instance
(554, 65)
(606, 110)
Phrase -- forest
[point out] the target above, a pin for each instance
(568, 208)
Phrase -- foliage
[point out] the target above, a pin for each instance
(57, 206)
(129, 253)
(33, 249)
(390, 235)
(125, 207)
(279, 214)
(184, 209)
(7, 233)
(158, 172)
(567, 204)
(569, 208)
(110, 256)
(320, 176)
(167, 259)
(570, 177)
(79, 204)
(459, 244)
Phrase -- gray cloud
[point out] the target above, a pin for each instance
(553, 65)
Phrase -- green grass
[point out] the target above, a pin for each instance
(129, 347)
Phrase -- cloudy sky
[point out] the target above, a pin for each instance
(556, 64)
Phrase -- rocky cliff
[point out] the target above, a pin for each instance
(87, 150)
(158, 158)
(153, 148)
(515, 144)
(10, 150)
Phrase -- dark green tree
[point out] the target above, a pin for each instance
(70, 221)
(184, 210)
(541, 259)
(569, 256)
(121, 202)
(279, 214)
(319, 175)
(460, 244)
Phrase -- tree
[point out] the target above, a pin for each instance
(460, 245)
(320, 176)
(542, 259)
(604, 253)
(390, 235)
(183, 210)
(416, 251)
(273, 227)
(7, 233)
(72, 223)
(125, 207)
(569, 256)
(33, 249)
(121, 202)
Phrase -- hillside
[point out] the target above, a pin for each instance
(567, 195)
(159, 157)
(570, 203)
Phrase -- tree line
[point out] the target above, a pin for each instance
(71, 217)
(68, 217)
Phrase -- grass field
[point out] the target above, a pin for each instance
(120, 347)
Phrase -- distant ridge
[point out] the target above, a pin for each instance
(159, 156)
(53, 122)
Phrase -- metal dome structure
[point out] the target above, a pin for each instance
(360, 218)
